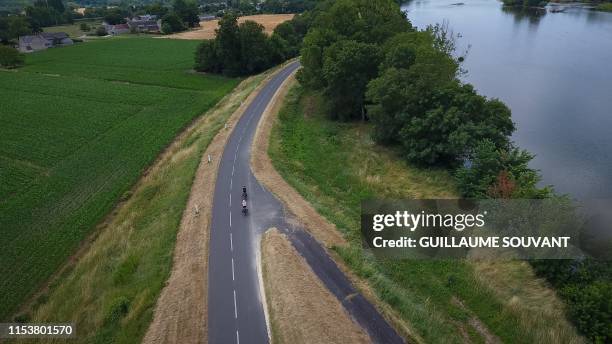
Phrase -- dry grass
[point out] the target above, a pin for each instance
(180, 314)
(207, 28)
(302, 310)
(529, 298)
(261, 164)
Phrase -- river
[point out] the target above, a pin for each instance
(554, 70)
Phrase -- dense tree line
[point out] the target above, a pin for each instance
(184, 14)
(245, 49)
(368, 63)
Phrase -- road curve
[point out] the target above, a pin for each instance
(235, 310)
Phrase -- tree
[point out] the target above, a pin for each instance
(255, 52)
(115, 16)
(207, 57)
(10, 57)
(411, 70)
(101, 31)
(293, 39)
(326, 59)
(171, 23)
(348, 66)
(490, 171)
(368, 21)
(187, 11)
(228, 40)
(239, 49)
(157, 9)
(58, 5)
(12, 27)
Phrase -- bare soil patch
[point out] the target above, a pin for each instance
(207, 28)
(302, 310)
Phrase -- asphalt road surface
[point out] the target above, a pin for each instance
(235, 310)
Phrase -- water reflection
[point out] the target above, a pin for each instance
(552, 69)
(525, 14)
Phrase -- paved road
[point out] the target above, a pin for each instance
(235, 311)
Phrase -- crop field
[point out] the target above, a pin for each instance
(78, 126)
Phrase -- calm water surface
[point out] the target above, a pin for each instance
(554, 71)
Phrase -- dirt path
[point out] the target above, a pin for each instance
(181, 311)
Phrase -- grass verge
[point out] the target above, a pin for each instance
(442, 301)
(111, 292)
(295, 295)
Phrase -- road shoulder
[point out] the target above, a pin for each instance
(303, 213)
(181, 310)
(297, 296)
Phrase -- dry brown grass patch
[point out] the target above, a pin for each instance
(302, 310)
(207, 28)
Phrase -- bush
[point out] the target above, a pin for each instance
(606, 7)
(239, 49)
(85, 27)
(172, 23)
(101, 31)
(499, 173)
(586, 287)
(10, 57)
(207, 57)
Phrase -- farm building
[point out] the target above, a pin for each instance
(145, 23)
(117, 29)
(42, 41)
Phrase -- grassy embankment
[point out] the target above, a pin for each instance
(79, 126)
(442, 301)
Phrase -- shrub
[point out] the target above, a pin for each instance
(101, 31)
(10, 57)
(606, 6)
(171, 23)
(239, 49)
(499, 173)
(85, 27)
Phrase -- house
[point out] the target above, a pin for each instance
(207, 18)
(145, 23)
(42, 41)
(117, 29)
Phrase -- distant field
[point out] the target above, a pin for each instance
(74, 30)
(78, 127)
(207, 28)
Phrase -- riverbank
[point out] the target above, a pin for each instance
(443, 301)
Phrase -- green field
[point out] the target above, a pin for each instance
(438, 301)
(78, 126)
(74, 30)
